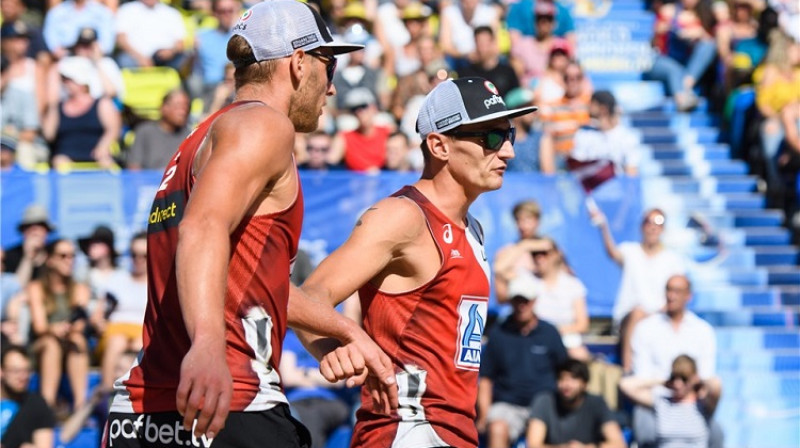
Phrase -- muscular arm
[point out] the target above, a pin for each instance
(237, 172)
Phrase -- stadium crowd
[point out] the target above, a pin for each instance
(72, 78)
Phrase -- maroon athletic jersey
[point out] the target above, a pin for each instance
(256, 297)
(433, 336)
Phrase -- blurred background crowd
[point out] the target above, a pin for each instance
(114, 87)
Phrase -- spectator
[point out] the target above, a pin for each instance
(121, 312)
(515, 259)
(313, 399)
(26, 420)
(418, 83)
(550, 87)
(210, 46)
(13, 10)
(27, 259)
(223, 92)
(356, 73)
(520, 20)
(606, 138)
(778, 100)
(155, 141)
(488, 64)
(318, 146)
(106, 77)
(686, 48)
(58, 322)
(9, 307)
(63, 23)
(517, 364)
(80, 127)
(22, 90)
(459, 21)
(358, 28)
(526, 148)
(658, 339)
(732, 35)
(389, 26)
(646, 267)
(399, 155)
(102, 255)
(571, 417)
(531, 54)
(682, 406)
(562, 120)
(139, 45)
(406, 57)
(8, 153)
(562, 298)
(363, 149)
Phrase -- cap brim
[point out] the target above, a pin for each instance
(340, 48)
(513, 113)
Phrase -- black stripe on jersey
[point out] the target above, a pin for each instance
(166, 212)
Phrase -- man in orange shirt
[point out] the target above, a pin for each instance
(562, 119)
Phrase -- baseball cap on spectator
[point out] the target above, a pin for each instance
(8, 142)
(76, 68)
(605, 98)
(86, 36)
(459, 102)
(358, 97)
(415, 11)
(561, 46)
(17, 28)
(544, 8)
(524, 286)
(276, 28)
(354, 10)
(35, 215)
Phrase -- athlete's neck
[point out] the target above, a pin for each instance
(449, 200)
(265, 93)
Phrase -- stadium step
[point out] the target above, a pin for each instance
(778, 318)
(752, 201)
(776, 255)
(767, 236)
(790, 295)
(759, 361)
(783, 275)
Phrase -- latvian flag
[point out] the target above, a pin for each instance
(591, 173)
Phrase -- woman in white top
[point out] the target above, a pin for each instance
(561, 299)
(458, 23)
(683, 405)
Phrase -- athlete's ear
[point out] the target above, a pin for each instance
(438, 146)
(298, 66)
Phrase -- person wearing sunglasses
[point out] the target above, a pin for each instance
(683, 405)
(222, 235)
(418, 263)
(362, 149)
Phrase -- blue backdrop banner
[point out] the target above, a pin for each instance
(79, 201)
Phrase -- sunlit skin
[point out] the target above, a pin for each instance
(469, 154)
(16, 373)
(652, 228)
(678, 295)
(307, 104)
(527, 225)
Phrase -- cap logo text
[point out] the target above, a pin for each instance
(495, 99)
(447, 121)
(305, 40)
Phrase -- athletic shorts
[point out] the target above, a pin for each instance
(274, 428)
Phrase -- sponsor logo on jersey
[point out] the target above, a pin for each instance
(166, 212)
(447, 233)
(157, 433)
(454, 253)
(471, 321)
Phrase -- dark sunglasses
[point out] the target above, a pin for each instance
(674, 377)
(138, 254)
(540, 253)
(64, 255)
(492, 139)
(330, 63)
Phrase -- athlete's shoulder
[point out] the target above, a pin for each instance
(253, 120)
(399, 216)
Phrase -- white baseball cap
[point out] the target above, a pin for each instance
(458, 102)
(276, 28)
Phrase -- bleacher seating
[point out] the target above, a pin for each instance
(146, 87)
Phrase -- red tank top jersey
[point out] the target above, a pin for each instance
(256, 297)
(433, 336)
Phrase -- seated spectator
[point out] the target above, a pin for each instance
(355, 73)
(13, 10)
(526, 148)
(120, 313)
(22, 92)
(8, 153)
(27, 259)
(63, 23)
(310, 395)
(139, 45)
(420, 82)
(10, 305)
(459, 21)
(80, 127)
(363, 149)
(778, 100)
(549, 88)
(682, 405)
(561, 120)
(210, 47)
(571, 416)
(732, 35)
(517, 364)
(646, 268)
(318, 146)
(531, 54)
(686, 48)
(520, 20)
(406, 57)
(399, 156)
(515, 259)
(488, 64)
(155, 142)
(357, 27)
(561, 298)
(106, 77)
(26, 419)
(605, 138)
(58, 321)
(223, 93)
(102, 256)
